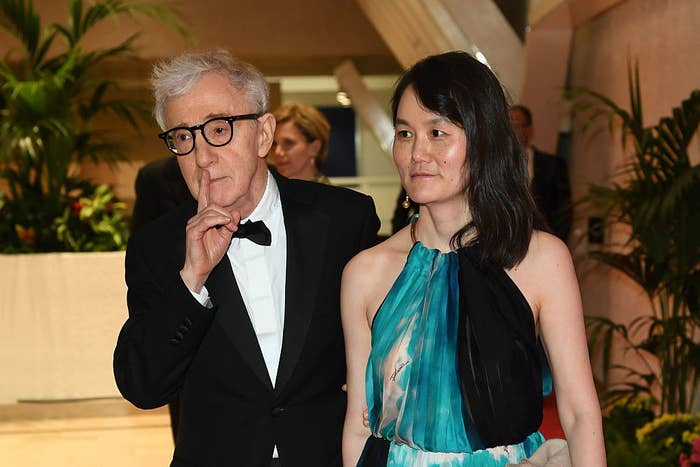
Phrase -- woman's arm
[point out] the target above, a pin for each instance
(564, 337)
(357, 334)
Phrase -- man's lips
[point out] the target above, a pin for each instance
(214, 180)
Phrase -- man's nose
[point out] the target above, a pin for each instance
(204, 153)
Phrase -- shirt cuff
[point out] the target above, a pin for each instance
(202, 297)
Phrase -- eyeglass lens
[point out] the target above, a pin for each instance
(216, 132)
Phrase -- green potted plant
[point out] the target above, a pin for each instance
(636, 437)
(655, 203)
(60, 310)
(50, 94)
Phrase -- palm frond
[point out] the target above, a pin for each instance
(656, 199)
(47, 117)
(22, 21)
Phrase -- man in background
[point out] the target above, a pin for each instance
(549, 175)
(159, 188)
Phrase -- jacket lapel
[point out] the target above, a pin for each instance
(233, 316)
(307, 232)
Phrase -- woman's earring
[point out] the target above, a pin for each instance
(406, 202)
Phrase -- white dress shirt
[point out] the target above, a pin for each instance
(260, 272)
(530, 154)
(261, 275)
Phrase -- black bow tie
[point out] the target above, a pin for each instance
(255, 232)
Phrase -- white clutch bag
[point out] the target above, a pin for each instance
(552, 453)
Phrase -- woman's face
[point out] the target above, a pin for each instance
(291, 154)
(429, 152)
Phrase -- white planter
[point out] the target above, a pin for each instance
(60, 314)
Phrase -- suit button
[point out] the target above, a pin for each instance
(277, 411)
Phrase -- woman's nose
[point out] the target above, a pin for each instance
(420, 150)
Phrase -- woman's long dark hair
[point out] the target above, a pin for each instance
(457, 86)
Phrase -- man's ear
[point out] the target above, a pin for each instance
(266, 133)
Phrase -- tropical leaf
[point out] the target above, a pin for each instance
(48, 106)
(22, 21)
(656, 201)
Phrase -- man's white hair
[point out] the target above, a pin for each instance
(177, 76)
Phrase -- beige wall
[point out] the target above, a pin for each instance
(281, 37)
(275, 28)
(663, 36)
(547, 49)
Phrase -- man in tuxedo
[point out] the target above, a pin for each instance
(549, 175)
(234, 299)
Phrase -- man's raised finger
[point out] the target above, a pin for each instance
(203, 195)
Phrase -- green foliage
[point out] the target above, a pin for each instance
(635, 437)
(625, 417)
(47, 109)
(670, 435)
(93, 223)
(657, 202)
(620, 453)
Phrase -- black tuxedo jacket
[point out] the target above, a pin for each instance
(552, 192)
(160, 188)
(172, 346)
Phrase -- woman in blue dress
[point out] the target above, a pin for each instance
(446, 320)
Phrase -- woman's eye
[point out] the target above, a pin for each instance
(437, 133)
(403, 134)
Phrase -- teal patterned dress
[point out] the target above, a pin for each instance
(413, 393)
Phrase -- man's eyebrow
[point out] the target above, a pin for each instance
(206, 119)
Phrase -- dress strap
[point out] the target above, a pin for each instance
(497, 353)
(414, 222)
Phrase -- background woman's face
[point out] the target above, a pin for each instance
(429, 152)
(291, 154)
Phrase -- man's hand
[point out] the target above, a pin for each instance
(208, 235)
(365, 412)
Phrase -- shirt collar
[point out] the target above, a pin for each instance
(263, 211)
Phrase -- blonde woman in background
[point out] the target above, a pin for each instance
(300, 144)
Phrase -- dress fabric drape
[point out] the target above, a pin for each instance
(416, 413)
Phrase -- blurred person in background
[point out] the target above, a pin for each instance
(300, 145)
(547, 173)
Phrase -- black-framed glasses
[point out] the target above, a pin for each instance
(216, 132)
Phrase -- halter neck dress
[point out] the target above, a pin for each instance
(412, 382)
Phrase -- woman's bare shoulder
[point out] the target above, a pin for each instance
(547, 253)
(382, 256)
(373, 271)
(547, 261)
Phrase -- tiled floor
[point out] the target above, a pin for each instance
(106, 433)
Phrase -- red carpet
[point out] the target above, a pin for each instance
(550, 419)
